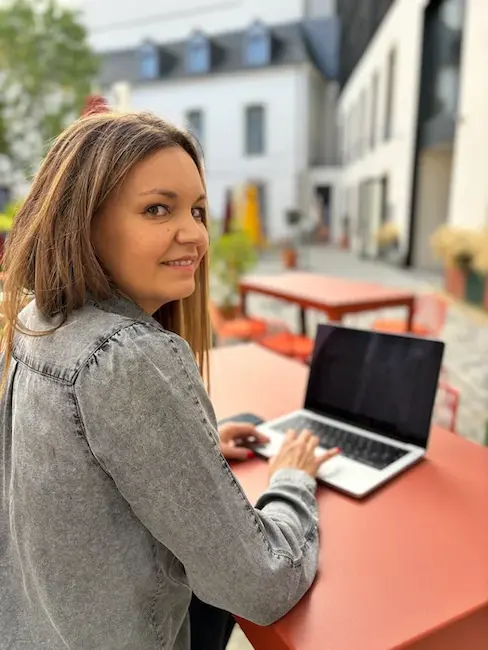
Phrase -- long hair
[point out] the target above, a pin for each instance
(49, 253)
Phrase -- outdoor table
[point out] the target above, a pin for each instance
(405, 568)
(334, 296)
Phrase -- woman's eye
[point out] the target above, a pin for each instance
(199, 213)
(158, 210)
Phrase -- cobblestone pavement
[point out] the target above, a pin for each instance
(465, 333)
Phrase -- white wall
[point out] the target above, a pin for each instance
(117, 24)
(322, 104)
(402, 29)
(469, 194)
(223, 100)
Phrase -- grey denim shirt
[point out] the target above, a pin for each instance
(116, 501)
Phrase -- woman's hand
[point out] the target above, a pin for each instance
(298, 451)
(234, 436)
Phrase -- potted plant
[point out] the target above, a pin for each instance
(289, 252)
(232, 255)
(388, 240)
(456, 248)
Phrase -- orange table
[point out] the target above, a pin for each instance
(406, 568)
(334, 296)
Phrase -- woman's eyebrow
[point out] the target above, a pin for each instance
(169, 194)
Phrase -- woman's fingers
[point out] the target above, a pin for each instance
(291, 435)
(327, 455)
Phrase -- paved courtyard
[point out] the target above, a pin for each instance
(465, 333)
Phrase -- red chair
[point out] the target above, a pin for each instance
(241, 328)
(429, 317)
(446, 406)
(295, 346)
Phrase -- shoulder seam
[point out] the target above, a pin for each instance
(107, 339)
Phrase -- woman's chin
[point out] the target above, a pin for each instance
(181, 291)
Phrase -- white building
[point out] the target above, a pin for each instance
(254, 80)
(413, 117)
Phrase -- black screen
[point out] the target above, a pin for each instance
(381, 382)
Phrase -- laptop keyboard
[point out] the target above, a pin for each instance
(360, 448)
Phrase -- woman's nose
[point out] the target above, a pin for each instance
(191, 230)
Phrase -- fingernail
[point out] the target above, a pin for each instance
(251, 454)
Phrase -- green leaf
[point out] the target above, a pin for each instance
(46, 71)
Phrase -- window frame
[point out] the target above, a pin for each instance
(199, 137)
(392, 66)
(250, 150)
(149, 52)
(260, 34)
(198, 46)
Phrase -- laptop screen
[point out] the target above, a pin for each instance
(380, 382)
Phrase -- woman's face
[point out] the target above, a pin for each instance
(150, 234)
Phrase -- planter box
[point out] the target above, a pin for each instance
(455, 282)
(475, 288)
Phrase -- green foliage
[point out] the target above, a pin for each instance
(46, 72)
(231, 256)
(7, 216)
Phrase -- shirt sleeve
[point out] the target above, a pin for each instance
(150, 424)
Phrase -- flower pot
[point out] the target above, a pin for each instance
(475, 288)
(289, 258)
(455, 282)
(228, 312)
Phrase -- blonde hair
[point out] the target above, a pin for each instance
(49, 252)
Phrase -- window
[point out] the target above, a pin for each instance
(198, 54)
(194, 119)
(384, 199)
(363, 123)
(355, 132)
(257, 45)
(348, 138)
(340, 141)
(374, 109)
(254, 130)
(390, 91)
(149, 61)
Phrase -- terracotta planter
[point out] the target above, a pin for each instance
(289, 258)
(228, 312)
(455, 282)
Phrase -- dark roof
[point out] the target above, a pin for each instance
(291, 43)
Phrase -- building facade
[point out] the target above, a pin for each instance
(256, 82)
(377, 113)
(411, 115)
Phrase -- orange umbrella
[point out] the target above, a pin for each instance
(228, 213)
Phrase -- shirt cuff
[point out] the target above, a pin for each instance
(294, 476)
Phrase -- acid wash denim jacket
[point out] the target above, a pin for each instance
(116, 501)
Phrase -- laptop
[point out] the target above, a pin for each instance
(372, 395)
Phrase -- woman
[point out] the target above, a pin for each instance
(118, 504)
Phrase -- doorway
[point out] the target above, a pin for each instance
(324, 200)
